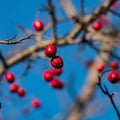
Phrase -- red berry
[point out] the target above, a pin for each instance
(100, 67)
(21, 92)
(97, 25)
(36, 103)
(56, 84)
(57, 71)
(113, 77)
(38, 25)
(114, 65)
(14, 87)
(57, 62)
(48, 75)
(9, 77)
(50, 50)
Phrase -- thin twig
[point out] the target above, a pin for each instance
(106, 92)
(114, 12)
(8, 41)
(53, 18)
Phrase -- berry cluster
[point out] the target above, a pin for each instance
(114, 75)
(56, 61)
(48, 76)
(14, 88)
(57, 64)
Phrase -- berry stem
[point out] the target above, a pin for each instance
(110, 96)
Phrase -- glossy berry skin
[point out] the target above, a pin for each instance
(113, 77)
(114, 65)
(38, 25)
(57, 62)
(50, 50)
(9, 76)
(97, 25)
(35, 103)
(56, 84)
(13, 87)
(100, 67)
(48, 75)
(57, 71)
(21, 92)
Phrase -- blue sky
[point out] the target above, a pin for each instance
(54, 102)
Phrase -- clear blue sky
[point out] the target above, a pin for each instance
(54, 102)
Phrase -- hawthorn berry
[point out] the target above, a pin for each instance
(50, 50)
(56, 84)
(9, 76)
(38, 25)
(36, 103)
(13, 87)
(57, 71)
(97, 25)
(57, 62)
(48, 75)
(114, 65)
(100, 67)
(21, 92)
(113, 77)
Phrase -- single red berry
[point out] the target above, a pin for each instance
(9, 77)
(21, 92)
(100, 67)
(56, 84)
(38, 25)
(114, 65)
(57, 62)
(57, 71)
(113, 77)
(50, 50)
(14, 87)
(97, 25)
(48, 75)
(35, 103)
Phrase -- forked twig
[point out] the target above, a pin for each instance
(110, 96)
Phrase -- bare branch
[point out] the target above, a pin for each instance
(8, 41)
